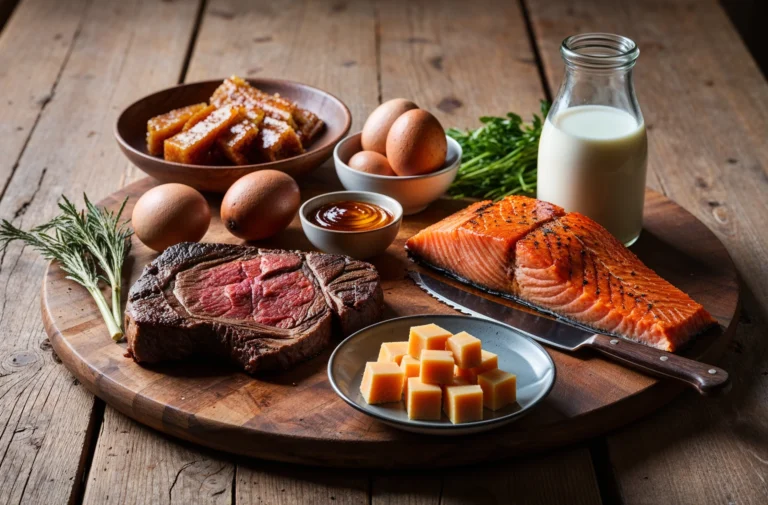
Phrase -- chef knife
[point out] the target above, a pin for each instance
(707, 379)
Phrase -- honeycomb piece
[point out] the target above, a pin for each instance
(165, 126)
(308, 125)
(198, 116)
(255, 114)
(237, 91)
(193, 145)
(277, 140)
(235, 142)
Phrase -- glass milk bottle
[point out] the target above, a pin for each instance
(593, 150)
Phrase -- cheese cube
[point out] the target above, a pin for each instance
(466, 349)
(423, 401)
(436, 367)
(489, 362)
(393, 351)
(428, 336)
(382, 382)
(499, 388)
(463, 404)
(457, 381)
(411, 367)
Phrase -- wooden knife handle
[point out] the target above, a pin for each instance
(707, 379)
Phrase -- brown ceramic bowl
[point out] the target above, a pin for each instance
(131, 130)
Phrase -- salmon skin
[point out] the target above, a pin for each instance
(561, 263)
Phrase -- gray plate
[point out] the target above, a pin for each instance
(517, 354)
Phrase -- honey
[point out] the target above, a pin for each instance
(350, 215)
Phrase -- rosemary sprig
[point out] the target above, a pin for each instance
(79, 241)
(106, 239)
(499, 158)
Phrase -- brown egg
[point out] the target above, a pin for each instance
(371, 162)
(168, 214)
(260, 204)
(416, 143)
(376, 128)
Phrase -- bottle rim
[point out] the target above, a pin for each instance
(600, 51)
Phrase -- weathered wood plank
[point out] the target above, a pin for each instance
(407, 488)
(565, 476)
(458, 63)
(706, 107)
(30, 62)
(120, 51)
(561, 477)
(134, 464)
(279, 484)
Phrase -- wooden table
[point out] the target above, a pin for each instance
(68, 66)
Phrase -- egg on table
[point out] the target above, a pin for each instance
(416, 143)
(371, 162)
(260, 204)
(170, 213)
(378, 124)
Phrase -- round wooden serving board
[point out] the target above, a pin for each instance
(295, 416)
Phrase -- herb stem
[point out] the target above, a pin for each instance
(110, 319)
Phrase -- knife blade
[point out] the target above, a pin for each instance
(707, 379)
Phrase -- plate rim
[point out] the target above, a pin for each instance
(432, 426)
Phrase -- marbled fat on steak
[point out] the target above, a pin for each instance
(263, 309)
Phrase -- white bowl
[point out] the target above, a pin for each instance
(414, 192)
(358, 244)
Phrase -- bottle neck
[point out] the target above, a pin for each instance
(598, 71)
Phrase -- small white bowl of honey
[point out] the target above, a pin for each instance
(360, 224)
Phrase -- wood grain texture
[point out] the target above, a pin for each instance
(44, 412)
(135, 465)
(560, 477)
(24, 52)
(694, 65)
(457, 63)
(407, 488)
(296, 416)
(261, 482)
(564, 476)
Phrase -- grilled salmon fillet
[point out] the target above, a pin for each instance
(477, 244)
(562, 263)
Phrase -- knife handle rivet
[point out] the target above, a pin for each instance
(664, 358)
(614, 341)
(711, 371)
